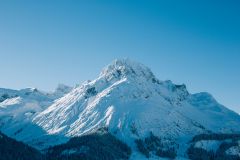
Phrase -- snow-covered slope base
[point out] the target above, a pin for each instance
(215, 146)
(134, 106)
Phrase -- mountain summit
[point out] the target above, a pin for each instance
(126, 68)
(129, 102)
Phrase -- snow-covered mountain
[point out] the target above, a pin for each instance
(131, 104)
(60, 91)
(18, 107)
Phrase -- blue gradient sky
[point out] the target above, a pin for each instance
(43, 43)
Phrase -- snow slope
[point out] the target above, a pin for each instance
(127, 99)
(17, 109)
(131, 102)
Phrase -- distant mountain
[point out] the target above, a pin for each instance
(61, 90)
(154, 118)
(19, 107)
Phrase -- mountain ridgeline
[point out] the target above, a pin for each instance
(125, 113)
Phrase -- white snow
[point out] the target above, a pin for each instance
(61, 90)
(126, 93)
(9, 102)
(18, 110)
(208, 145)
(235, 150)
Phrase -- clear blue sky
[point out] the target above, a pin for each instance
(43, 43)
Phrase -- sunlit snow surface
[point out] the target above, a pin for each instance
(10, 101)
(208, 145)
(126, 97)
(235, 150)
(18, 110)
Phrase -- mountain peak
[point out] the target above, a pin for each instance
(63, 88)
(125, 68)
